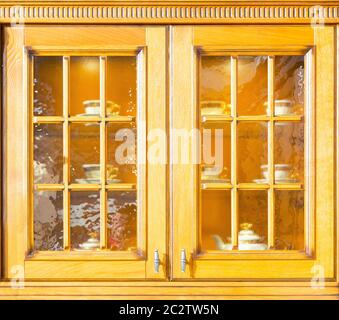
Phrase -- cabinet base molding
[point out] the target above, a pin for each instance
(167, 290)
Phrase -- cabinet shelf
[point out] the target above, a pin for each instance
(83, 119)
(250, 186)
(227, 118)
(85, 187)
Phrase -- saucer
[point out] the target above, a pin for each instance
(215, 180)
(94, 115)
(276, 181)
(96, 181)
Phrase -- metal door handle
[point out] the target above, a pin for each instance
(183, 260)
(156, 261)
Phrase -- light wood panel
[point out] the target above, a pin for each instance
(84, 270)
(157, 172)
(169, 290)
(183, 117)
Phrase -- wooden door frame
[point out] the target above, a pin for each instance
(118, 265)
(184, 212)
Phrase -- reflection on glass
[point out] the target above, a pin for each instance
(121, 86)
(252, 85)
(48, 157)
(216, 220)
(122, 152)
(85, 220)
(85, 153)
(289, 85)
(48, 220)
(252, 220)
(216, 153)
(215, 85)
(289, 220)
(47, 86)
(252, 151)
(289, 152)
(84, 86)
(122, 220)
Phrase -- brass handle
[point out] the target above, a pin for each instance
(183, 260)
(156, 261)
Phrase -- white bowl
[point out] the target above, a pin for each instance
(281, 171)
(92, 171)
(214, 107)
(281, 107)
(210, 111)
(211, 171)
(92, 107)
(282, 110)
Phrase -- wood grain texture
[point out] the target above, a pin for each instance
(183, 173)
(15, 141)
(157, 171)
(167, 290)
(82, 270)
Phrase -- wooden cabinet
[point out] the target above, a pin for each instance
(274, 145)
(199, 151)
(74, 209)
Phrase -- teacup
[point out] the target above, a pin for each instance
(281, 107)
(210, 172)
(92, 171)
(214, 108)
(92, 107)
(281, 171)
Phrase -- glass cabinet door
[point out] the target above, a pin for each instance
(255, 183)
(88, 108)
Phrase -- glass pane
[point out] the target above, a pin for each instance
(48, 156)
(121, 86)
(252, 151)
(48, 220)
(252, 220)
(289, 152)
(215, 85)
(289, 85)
(289, 220)
(122, 220)
(216, 153)
(121, 153)
(216, 220)
(85, 220)
(85, 153)
(252, 85)
(47, 86)
(84, 85)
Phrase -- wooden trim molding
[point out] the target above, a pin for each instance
(167, 290)
(178, 12)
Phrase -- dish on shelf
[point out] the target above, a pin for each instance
(91, 244)
(214, 108)
(281, 107)
(96, 181)
(92, 107)
(247, 240)
(218, 180)
(211, 172)
(281, 171)
(277, 181)
(92, 171)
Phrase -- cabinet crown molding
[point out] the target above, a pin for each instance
(167, 12)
